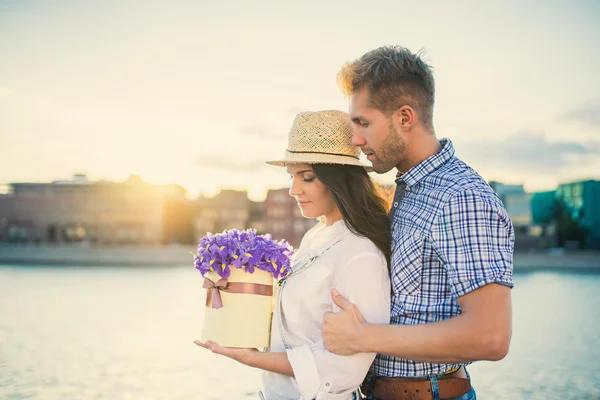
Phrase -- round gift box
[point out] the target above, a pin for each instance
(244, 320)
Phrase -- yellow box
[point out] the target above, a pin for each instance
(244, 321)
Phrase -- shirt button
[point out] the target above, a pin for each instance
(396, 204)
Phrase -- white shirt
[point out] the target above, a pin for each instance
(358, 270)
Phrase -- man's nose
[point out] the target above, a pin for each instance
(357, 138)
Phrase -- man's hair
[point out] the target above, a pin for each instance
(393, 76)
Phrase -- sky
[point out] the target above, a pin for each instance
(202, 93)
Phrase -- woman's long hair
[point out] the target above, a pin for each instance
(363, 209)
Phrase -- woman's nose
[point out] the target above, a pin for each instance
(295, 189)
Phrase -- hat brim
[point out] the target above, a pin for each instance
(293, 158)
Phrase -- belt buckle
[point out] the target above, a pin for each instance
(366, 387)
(360, 393)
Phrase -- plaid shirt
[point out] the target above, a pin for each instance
(450, 235)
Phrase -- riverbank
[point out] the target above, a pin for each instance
(69, 255)
(172, 255)
(551, 261)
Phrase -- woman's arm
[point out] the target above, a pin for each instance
(364, 278)
(273, 362)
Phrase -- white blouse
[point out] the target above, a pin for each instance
(358, 270)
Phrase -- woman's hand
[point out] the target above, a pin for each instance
(240, 355)
(275, 362)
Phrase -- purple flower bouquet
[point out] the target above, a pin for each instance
(239, 268)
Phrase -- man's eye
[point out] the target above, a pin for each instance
(364, 124)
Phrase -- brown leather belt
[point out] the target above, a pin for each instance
(417, 388)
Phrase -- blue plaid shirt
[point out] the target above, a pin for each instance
(450, 235)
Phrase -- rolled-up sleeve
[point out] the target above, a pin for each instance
(320, 374)
(475, 239)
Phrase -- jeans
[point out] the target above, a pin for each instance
(435, 395)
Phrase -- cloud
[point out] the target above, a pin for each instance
(4, 91)
(262, 131)
(292, 111)
(232, 164)
(588, 114)
(528, 151)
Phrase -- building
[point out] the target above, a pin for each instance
(283, 219)
(179, 214)
(230, 209)
(542, 206)
(518, 206)
(278, 215)
(583, 200)
(386, 191)
(131, 212)
(257, 217)
(517, 203)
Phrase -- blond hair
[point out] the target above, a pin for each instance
(393, 76)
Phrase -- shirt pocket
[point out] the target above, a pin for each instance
(407, 263)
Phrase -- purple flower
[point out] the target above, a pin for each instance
(242, 250)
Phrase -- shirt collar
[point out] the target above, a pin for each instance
(319, 237)
(424, 168)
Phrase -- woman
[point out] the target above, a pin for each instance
(348, 249)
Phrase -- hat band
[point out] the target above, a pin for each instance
(321, 152)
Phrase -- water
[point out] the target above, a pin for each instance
(126, 333)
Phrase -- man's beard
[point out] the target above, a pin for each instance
(391, 152)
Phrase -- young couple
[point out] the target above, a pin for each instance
(386, 304)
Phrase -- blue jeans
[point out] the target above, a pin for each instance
(435, 391)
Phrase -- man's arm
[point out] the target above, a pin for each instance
(481, 332)
(473, 238)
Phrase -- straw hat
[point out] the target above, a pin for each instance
(321, 137)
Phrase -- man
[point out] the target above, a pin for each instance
(452, 242)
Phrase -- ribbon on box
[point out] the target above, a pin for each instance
(214, 289)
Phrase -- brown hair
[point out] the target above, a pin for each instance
(363, 210)
(393, 76)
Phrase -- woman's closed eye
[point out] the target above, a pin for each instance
(304, 178)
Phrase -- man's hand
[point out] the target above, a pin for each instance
(342, 330)
(239, 355)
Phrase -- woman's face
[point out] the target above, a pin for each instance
(313, 197)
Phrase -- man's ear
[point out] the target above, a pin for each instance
(405, 117)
